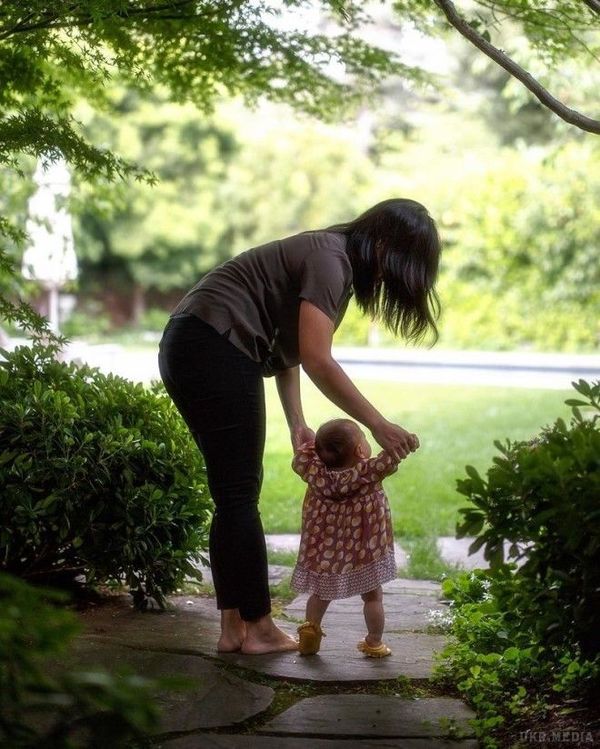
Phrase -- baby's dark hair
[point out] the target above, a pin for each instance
(335, 442)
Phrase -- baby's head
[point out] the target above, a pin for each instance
(341, 443)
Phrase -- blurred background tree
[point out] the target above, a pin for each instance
(53, 55)
(217, 190)
(160, 93)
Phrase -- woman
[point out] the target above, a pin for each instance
(264, 313)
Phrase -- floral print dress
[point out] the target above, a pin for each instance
(347, 544)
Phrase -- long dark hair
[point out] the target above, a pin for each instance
(394, 249)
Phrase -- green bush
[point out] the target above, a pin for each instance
(98, 476)
(523, 639)
(542, 496)
(495, 661)
(519, 266)
(83, 323)
(153, 319)
(477, 317)
(70, 708)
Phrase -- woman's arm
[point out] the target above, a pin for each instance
(288, 387)
(315, 334)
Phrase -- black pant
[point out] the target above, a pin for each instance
(219, 391)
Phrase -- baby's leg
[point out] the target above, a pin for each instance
(315, 609)
(310, 633)
(374, 616)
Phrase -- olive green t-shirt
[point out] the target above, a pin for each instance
(254, 298)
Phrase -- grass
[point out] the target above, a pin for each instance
(424, 560)
(456, 426)
(282, 557)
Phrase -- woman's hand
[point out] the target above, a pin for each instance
(300, 434)
(394, 439)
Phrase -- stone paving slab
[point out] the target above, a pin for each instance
(340, 661)
(214, 698)
(456, 551)
(223, 741)
(276, 572)
(366, 716)
(344, 626)
(409, 586)
(453, 551)
(192, 627)
(403, 613)
(173, 642)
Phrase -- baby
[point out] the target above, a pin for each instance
(347, 544)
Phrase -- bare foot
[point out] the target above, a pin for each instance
(265, 637)
(233, 631)
(229, 644)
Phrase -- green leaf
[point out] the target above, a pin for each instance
(478, 542)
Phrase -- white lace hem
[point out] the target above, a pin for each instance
(330, 587)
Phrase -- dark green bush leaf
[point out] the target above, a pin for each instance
(544, 495)
(97, 474)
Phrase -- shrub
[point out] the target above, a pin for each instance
(542, 496)
(42, 710)
(153, 319)
(98, 476)
(496, 663)
(83, 323)
(512, 318)
(523, 638)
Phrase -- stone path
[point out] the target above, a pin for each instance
(222, 741)
(365, 715)
(334, 707)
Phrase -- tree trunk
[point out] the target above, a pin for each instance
(138, 304)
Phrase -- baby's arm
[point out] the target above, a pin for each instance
(381, 465)
(304, 456)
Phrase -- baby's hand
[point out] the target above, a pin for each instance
(395, 439)
(301, 434)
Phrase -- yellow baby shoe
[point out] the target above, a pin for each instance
(310, 634)
(379, 651)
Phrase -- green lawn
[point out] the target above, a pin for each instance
(456, 426)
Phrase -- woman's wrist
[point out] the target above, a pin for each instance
(297, 423)
(376, 422)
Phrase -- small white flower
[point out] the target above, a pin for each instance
(440, 619)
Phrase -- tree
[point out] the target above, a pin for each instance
(161, 236)
(216, 193)
(52, 52)
(558, 30)
(520, 264)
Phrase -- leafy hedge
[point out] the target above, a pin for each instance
(542, 496)
(524, 638)
(514, 684)
(98, 477)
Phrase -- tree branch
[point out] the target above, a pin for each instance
(567, 114)
(56, 21)
(544, 18)
(593, 5)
